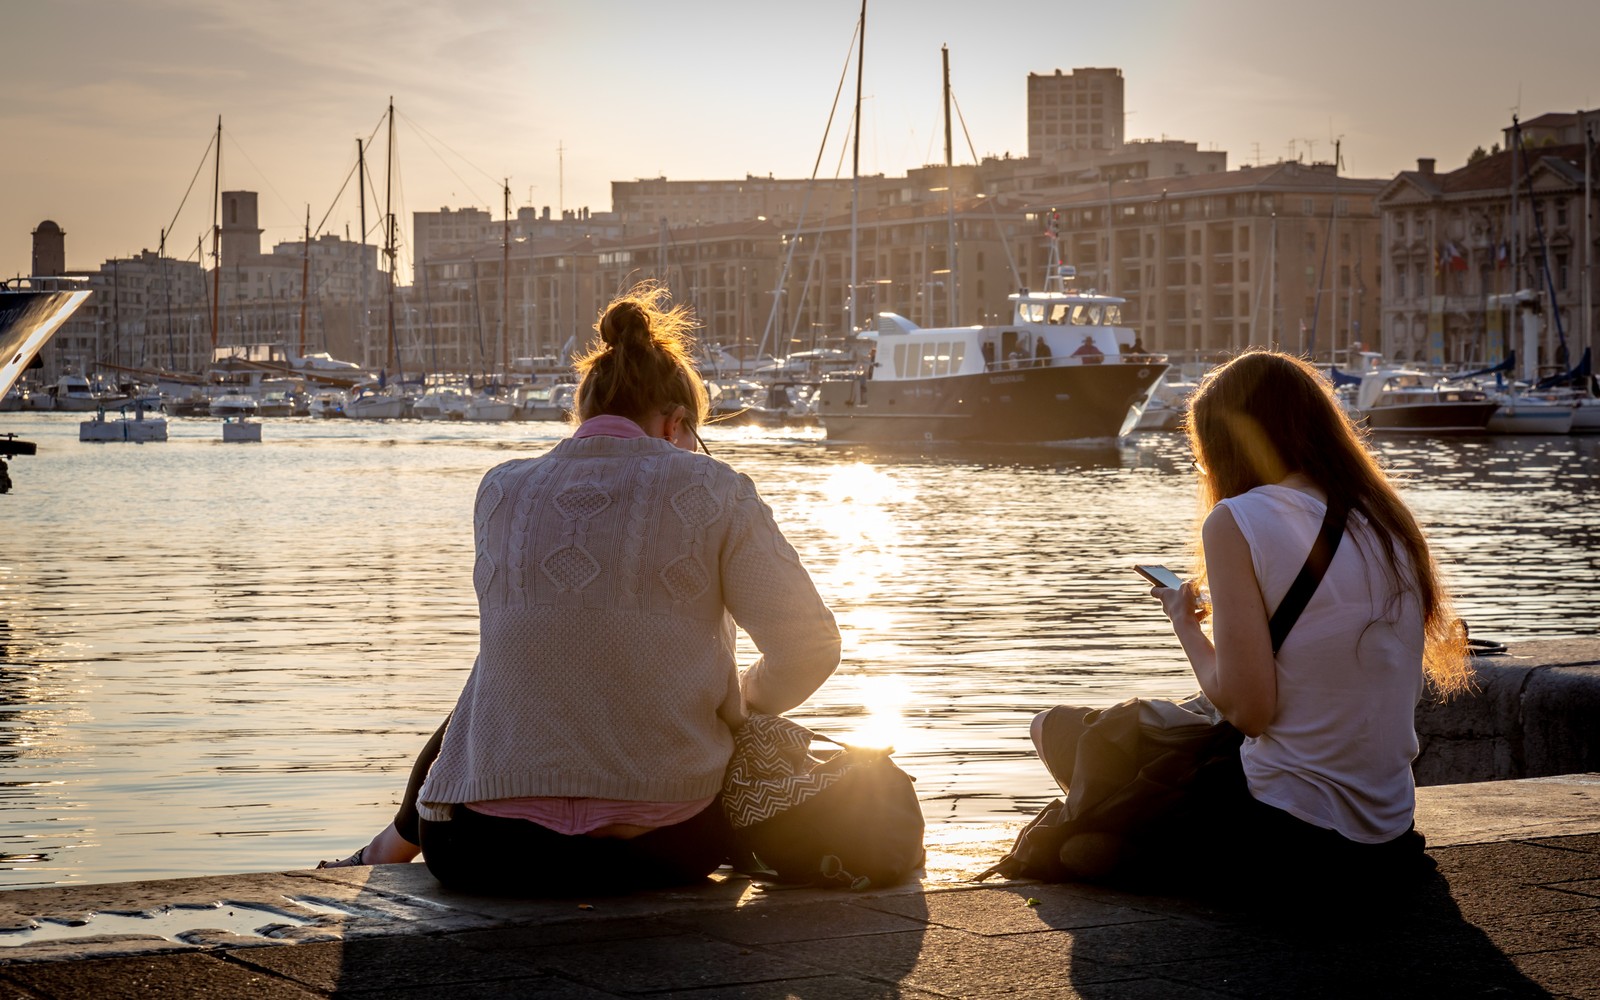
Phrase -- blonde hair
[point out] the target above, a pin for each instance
(643, 363)
(1265, 415)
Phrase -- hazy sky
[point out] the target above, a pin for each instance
(106, 106)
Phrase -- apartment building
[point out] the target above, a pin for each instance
(1080, 110)
(1455, 242)
(1284, 255)
(645, 206)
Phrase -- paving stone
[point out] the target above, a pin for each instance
(1167, 941)
(536, 987)
(1560, 975)
(151, 978)
(820, 988)
(74, 949)
(953, 962)
(381, 964)
(1547, 932)
(546, 935)
(1004, 909)
(801, 921)
(657, 964)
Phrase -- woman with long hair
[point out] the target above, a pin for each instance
(1329, 721)
(589, 743)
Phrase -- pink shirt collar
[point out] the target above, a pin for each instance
(609, 425)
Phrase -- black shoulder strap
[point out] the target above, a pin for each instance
(1310, 577)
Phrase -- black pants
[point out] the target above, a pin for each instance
(514, 857)
(487, 854)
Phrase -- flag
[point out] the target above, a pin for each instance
(1502, 255)
(1454, 259)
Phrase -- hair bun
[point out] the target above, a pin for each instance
(625, 325)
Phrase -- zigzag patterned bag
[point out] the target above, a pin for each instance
(845, 817)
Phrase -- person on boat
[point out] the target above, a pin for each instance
(1323, 779)
(1138, 346)
(1089, 352)
(588, 746)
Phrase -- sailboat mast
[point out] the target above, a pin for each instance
(216, 241)
(505, 290)
(388, 221)
(1338, 258)
(950, 200)
(361, 189)
(305, 281)
(1588, 237)
(855, 170)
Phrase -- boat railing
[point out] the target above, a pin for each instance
(44, 284)
(1014, 364)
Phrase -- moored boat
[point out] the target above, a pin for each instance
(1408, 401)
(1057, 373)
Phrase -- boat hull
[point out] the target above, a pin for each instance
(1033, 405)
(1523, 418)
(28, 319)
(1431, 418)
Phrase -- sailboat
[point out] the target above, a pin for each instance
(1056, 373)
(382, 399)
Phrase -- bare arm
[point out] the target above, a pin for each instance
(1236, 667)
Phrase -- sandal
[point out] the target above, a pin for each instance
(350, 862)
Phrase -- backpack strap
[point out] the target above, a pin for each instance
(1310, 577)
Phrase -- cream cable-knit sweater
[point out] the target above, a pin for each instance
(606, 572)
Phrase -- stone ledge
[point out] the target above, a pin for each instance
(1536, 713)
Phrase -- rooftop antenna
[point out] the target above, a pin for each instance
(1311, 148)
(561, 178)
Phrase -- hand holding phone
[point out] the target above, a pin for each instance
(1158, 575)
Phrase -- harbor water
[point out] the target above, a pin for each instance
(222, 657)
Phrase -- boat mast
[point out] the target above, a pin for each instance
(388, 221)
(305, 279)
(855, 170)
(950, 200)
(1338, 258)
(216, 241)
(366, 281)
(505, 291)
(1588, 240)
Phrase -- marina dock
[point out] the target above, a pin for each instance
(1513, 911)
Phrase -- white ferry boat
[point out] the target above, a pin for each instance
(1060, 371)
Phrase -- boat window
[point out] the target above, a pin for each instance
(1094, 315)
(1030, 312)
(1080, 316)
(900, 361)
(958, 355)
(1113, 315)
(1058, 313)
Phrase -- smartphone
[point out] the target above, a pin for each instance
(1159, 575)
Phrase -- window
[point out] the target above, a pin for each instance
(1307, 206)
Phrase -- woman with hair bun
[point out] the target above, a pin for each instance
(588, 746)
(1329, 720)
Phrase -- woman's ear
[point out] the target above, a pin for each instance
(676, 423)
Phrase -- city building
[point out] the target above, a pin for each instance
(1456, 242)
(1283, 255)
(1080, 110)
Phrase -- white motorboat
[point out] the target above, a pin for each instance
(233, 404)
(137, 427)
(81, 394)
(1409, 401)
(326, 403)
(550, 401)
(1056, 373)
(487, 406)
(441, 402)
(370, 402)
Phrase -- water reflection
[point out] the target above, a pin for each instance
(224, 660)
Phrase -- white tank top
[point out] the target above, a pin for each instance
(1338, 752)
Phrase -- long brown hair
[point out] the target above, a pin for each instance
(642, 364)
(1265, 415)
